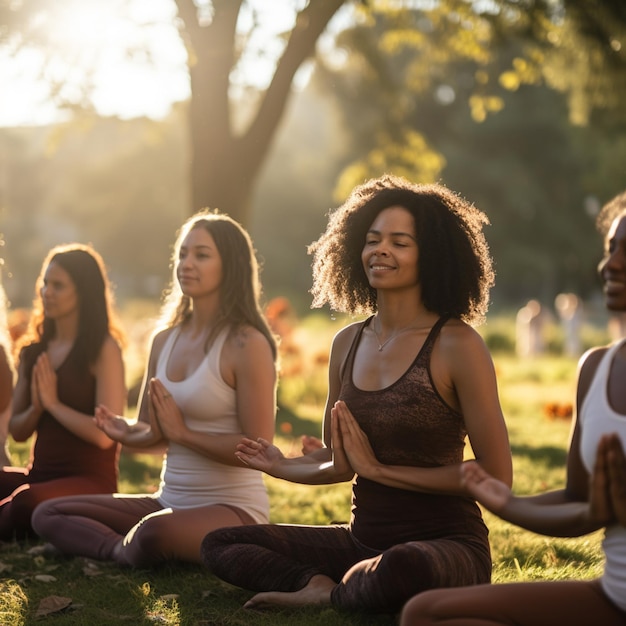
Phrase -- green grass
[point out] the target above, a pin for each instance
(103, 594)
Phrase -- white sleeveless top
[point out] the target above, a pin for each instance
(208, 404)
(597, 417)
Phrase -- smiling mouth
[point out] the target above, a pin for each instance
(614, 286)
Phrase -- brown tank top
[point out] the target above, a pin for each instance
(57, 452)
(408, 423)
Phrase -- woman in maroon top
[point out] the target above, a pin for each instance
(70, 360)
(406, 387)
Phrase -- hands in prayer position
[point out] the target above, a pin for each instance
(44, 384)
(608, 482)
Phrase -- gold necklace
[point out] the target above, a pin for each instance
(393, 336)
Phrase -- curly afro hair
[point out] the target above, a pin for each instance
(455, 267)
(611, 210)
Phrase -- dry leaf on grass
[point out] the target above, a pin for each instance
(52, 604)
(45, 578)
(91, 569)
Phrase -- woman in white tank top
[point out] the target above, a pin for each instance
(211, 378)
(594, 496)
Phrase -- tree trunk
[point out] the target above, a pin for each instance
(224, 166)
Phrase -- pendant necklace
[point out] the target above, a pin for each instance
(384, 343)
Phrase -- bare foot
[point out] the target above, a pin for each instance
(316, 591)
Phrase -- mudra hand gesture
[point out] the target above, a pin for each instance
(260, 454)
(489, 491)
(119, 429)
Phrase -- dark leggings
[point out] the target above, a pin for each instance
(19, 498)
(276, 557)
(132, 530)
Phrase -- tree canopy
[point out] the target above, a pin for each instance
(516, 104)
(575, 46)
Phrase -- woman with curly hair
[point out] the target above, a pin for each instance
(406, 386)
(210, 380)
(70, 360)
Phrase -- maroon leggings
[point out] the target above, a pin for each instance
(19, 497)
(133, 530)
(277, 557)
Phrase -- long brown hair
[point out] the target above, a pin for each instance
(97, 317)
(240, 289)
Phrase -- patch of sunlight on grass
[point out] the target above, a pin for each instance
(13, 603)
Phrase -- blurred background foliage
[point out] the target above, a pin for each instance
(519, 105)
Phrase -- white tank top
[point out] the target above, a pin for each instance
(208, 405)
(597, 417)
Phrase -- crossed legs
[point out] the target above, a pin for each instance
(131, 530)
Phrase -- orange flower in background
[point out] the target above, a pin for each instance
(565, 411)
(278, 307)
(286, 428)
(290, 349)
(555, 410)
(321, 359)
(280, 316)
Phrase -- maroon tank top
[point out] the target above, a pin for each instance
(408, 423)
(57, 452)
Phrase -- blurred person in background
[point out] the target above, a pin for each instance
(70, 360)
(594, 496)
(406, 386)
(210, 379)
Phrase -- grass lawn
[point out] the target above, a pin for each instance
(536, 396)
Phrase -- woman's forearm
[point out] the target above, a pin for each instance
(444, 480)
(563, 519)
(22, 425)
(308, 471)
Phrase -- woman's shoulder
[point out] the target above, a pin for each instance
(587, 367)
(460, 343)
(246, 338)
(343, 340)
(158, 339)
(456, 332)
(349, 332)
(593, 356)
(110, 343)
(590, 360)
(160, 335)
(109, 349)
